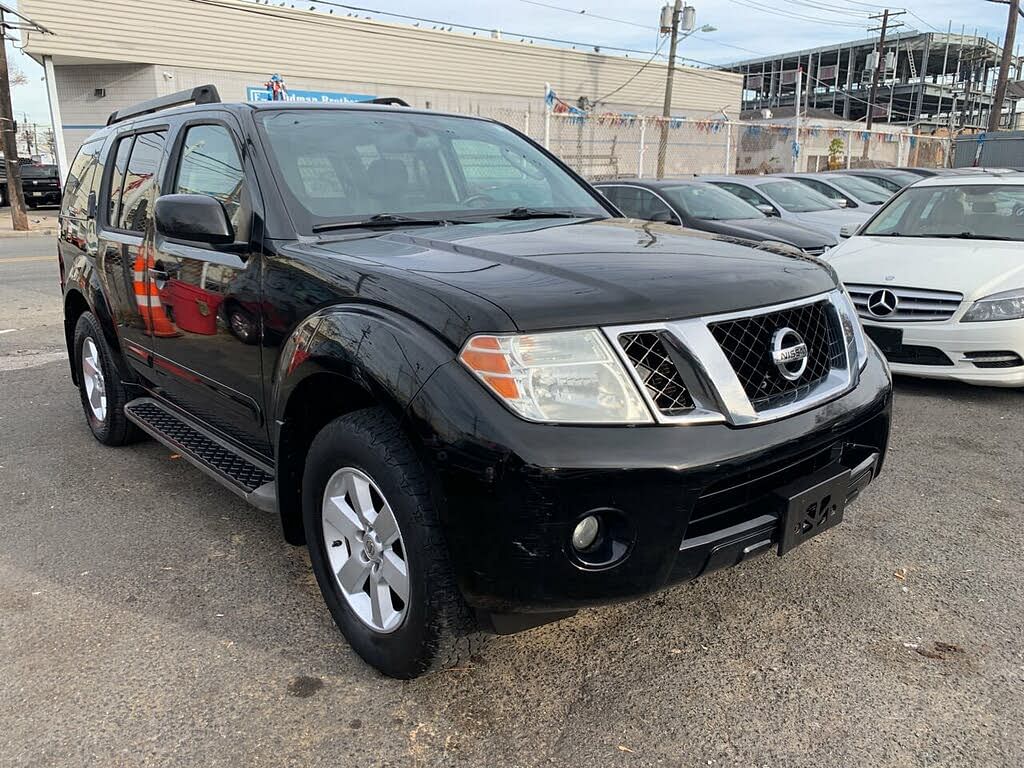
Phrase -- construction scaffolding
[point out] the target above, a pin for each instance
(938, 81)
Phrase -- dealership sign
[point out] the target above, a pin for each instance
(262, 93)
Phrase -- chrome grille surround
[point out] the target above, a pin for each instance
(914, 305)
(716, 390)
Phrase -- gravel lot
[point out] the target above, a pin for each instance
(148, 617)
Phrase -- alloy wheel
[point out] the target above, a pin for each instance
(365, 549)
(92, 379)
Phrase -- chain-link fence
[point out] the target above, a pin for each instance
(622, 146)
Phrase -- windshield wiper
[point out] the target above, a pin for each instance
(969, 236)
(523, 212)
(385, 220)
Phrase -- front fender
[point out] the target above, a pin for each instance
(386, 353)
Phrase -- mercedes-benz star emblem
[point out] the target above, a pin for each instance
(882, 303)
(789, 353)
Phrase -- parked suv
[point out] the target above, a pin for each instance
(478, 398)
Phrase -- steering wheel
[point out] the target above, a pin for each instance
(1018, 210)
(478, 198)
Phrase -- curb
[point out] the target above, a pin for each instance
(47, 232)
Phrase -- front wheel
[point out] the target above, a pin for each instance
(377, 549)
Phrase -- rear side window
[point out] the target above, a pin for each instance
(141, 179)
(124, 147)
(81, 181)
(210, 166)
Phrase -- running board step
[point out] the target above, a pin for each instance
(240, 472)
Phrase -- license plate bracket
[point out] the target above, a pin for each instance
(889, 340)
(812, 505)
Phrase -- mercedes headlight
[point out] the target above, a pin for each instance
(853, 332)
(562, 376)
(1008, 305)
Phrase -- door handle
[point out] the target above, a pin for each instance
(158, 274)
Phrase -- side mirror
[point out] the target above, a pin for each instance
(842, 202)
(767, 210)
(198, 218)
(848, 230)
(665, 217)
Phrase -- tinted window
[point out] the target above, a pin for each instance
(347, 165)
(210, 166)
(863, 189)
(627, 199)
(124, 147)
(140, 181)
(80, 181)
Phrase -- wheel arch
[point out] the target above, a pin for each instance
(334, 363)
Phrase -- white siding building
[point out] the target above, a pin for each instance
(107, 54)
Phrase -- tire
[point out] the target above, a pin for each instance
(436, 628)
(108, 424)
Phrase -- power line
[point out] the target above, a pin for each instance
(799, 17)
(586, 13)
(635, 74)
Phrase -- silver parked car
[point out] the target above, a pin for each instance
(849, 192)
(791, 201)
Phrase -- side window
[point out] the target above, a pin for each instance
(75, 203)
(653, 206)
(612, 194)
(824, 189)
(120, 161)
(629, 202)
(746, 193)
(210, 165)
(141, 181)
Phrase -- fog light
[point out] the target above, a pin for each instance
(585, 533)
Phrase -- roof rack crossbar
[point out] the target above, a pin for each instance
(202, 94)
(390, 100)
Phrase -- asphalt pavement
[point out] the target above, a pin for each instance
(148, 617)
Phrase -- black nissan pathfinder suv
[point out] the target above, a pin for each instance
(479, 397)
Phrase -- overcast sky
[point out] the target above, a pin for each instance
(742, 30)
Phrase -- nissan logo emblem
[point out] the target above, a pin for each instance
(882, 303)
(789, 353)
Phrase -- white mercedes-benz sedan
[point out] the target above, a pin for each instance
(937, 276)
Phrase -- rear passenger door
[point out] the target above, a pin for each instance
(211, 365)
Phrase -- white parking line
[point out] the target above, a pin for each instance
(9, 330)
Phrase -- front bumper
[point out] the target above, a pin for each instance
(955, 340)
(695, 498)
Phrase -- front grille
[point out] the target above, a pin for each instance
(910, 354)
(747, 344)
(657, 371)
(912, 304)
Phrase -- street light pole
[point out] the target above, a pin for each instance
(1004, 65)
(666, 110)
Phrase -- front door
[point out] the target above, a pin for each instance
(211, 364)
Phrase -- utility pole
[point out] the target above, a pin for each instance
(15, 194)
(666, 110)
(879, 65)
(996, 112)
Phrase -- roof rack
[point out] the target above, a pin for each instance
(203, 94)
(393, 101)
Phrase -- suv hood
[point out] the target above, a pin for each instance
(552, 274)
(974, 268)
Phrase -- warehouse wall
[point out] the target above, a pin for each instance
(237, 38)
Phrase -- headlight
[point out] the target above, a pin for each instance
(564, 376)
(853, 333)
(1008, 305)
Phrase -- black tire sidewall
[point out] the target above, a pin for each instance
(408, 650)
(115, 428)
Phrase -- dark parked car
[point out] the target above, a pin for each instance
(703, 206)
(480, 399)
(40, 183)
(892, 179)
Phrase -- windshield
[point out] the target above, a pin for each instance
(864, 190)
(982, 211)
(704, 201)
(796, 198)
(348, 165)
